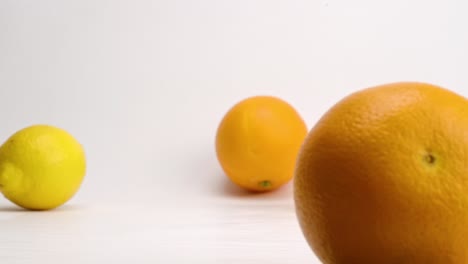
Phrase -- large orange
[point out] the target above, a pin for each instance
(257, 142)
(382, 178)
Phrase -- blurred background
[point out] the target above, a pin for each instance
(143, 84)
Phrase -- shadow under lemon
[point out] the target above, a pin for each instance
(13, 208)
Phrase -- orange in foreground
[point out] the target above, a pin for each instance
(383, 178)
(257, 142)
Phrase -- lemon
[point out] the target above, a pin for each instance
(41, 167)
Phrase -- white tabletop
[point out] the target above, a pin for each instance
(234, 228)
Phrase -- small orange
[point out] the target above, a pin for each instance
(257, 142)
(383, 178)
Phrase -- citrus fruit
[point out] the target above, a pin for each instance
(41, 167)
(257, 142)
(383, 178)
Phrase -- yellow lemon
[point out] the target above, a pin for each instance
(41, 167)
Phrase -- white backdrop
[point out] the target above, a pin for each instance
(143, 85)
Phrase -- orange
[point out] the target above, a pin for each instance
(257, 142)
(383, 178)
